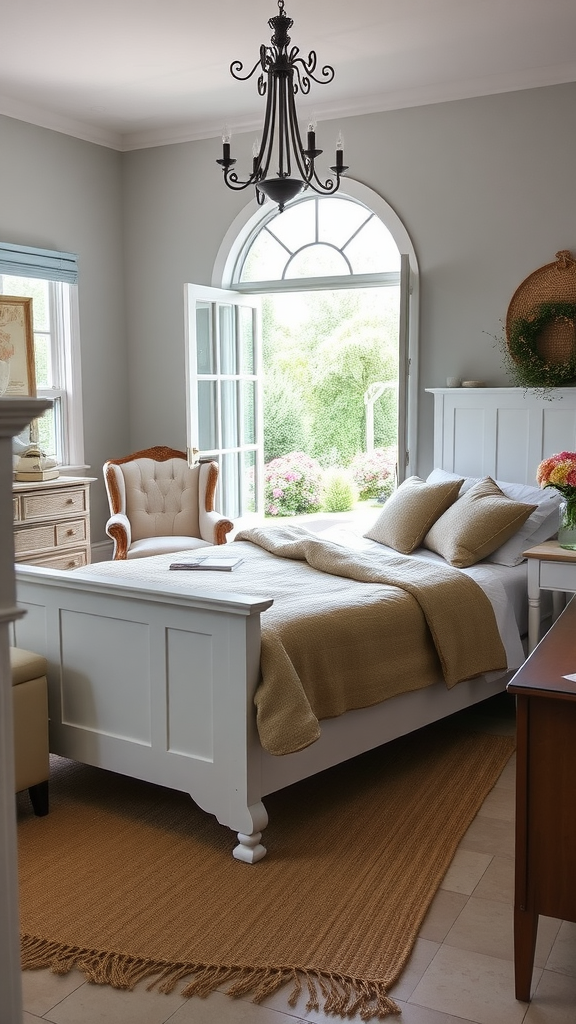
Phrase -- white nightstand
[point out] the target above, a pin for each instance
(550, 567)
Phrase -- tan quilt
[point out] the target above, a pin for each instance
(329, 646)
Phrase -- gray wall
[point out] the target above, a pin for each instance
(485, 187)
(61, 193)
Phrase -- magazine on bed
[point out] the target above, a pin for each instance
(208, 563)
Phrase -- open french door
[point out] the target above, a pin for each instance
(224, 395)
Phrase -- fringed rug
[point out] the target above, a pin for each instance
(127, 881)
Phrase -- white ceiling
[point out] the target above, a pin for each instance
(135, 73)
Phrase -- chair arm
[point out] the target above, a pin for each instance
(214, 527)
(118, 528)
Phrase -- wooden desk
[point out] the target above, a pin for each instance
(545, 856)
(550, 567)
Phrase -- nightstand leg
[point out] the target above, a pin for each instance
(525, 930)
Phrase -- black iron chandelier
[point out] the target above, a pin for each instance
(283, 74)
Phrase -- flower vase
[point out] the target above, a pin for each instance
(4, 375)
(567, 527)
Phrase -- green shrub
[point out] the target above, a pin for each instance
(340, 494)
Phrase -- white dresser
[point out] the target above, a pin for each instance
(52, 522)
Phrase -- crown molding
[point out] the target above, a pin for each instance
(439, 92)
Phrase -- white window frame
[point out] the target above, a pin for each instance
(66, 393)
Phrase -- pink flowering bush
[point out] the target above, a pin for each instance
(373, 472)
(292, 485)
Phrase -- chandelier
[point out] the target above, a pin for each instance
(282, 75)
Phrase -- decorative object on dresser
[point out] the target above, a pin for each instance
(52, 522)
(540, 326)
(545, 855)
(159, 503)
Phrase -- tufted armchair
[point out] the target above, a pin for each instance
(159, 503)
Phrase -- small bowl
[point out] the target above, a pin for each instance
(472, 383)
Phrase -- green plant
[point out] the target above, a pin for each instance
(524, 363)
(340, 494)
(292, 485)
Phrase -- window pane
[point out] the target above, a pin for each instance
(42, 360)
(247, 339)
(317, 261)
(296, 225)
(339, 219)
(249, 411)
(34, 289)
(373, 250)
(205, 361)
(249, 482)
(231, 485)
(207, 433)
(265, 260)
(228, 360)
(47, 429)
(229, 413)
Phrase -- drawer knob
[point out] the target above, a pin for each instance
(69, 501)
(69, 533)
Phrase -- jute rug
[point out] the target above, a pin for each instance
(128, 881)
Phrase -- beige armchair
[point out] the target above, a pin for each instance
(30, 711)
(159, 503)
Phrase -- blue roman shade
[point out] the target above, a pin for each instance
(48, 264)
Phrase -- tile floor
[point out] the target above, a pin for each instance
(460, 972)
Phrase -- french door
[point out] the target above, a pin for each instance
(224, 395)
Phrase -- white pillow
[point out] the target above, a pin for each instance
(541, 525)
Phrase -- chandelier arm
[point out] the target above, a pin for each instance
(237, 66)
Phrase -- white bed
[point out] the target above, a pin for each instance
(120, 651)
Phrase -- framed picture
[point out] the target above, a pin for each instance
(17, 345)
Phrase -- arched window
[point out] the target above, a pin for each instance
(352, 241)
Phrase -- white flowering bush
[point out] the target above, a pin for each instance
(373, 472)
(292, 485)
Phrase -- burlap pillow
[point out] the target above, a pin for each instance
(478, 523)
(410, 512)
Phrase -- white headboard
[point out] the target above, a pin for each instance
(501, 432)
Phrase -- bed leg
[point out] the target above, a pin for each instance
(250, 849)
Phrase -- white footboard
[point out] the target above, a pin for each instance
(159, 685)
(155, 685)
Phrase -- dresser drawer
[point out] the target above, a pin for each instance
(65, 560)
(53, 504)
(43, 538)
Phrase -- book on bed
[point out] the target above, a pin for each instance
(208, 563)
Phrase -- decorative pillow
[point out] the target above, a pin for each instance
(410, 512)
(541, 525)
(475, 525)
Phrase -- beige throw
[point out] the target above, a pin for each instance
(329, 646)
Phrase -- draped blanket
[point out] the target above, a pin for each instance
(401, 624)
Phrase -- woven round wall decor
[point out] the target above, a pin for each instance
(541, 325)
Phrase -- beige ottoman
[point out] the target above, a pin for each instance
(31, 752)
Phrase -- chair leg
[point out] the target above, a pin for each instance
(39, 798)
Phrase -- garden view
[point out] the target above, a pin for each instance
(325, 448)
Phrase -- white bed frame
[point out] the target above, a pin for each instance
(156, 685)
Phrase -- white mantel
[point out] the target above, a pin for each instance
(15, 414)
